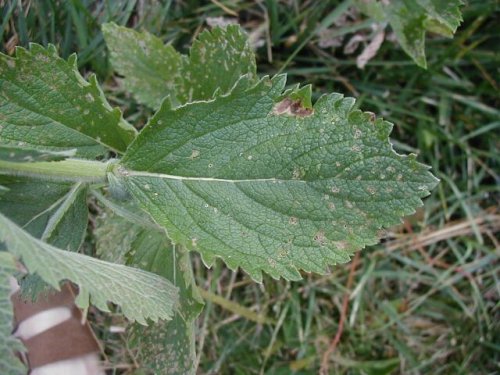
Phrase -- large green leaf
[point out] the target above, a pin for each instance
(46, 104)
(141, 295)
(268, 185)
(164, 347)
(9, 363)
(152, 70)
(411, 19)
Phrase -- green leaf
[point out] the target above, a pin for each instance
(23, 205)
(411, 19)
(168, 347)
(67, 225)
(444, 16)
(9, 363)
(254, 179)
(20, 154)
(141, 295)
(114, 237)
(60, 218)
(164, 347)
(46, 104)
(408, 23)
(217, 60)
(152, 70)
(149, 66)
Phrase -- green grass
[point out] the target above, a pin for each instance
(425, 301)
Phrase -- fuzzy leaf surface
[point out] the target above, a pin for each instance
(46, 104)
(141, 295)
(9, 363)
(266, 185)
(152, 70)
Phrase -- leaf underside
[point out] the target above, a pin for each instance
(9, 363)
(266, 185)
(140, 294)
(153, 71)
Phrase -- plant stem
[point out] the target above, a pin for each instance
(72, 170)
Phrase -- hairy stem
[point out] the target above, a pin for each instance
(64, 170)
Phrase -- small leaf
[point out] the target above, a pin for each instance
(141, 295)
(445, 13)
(152, 70)
(269, 189)
(411, 19)
(408, 24)
(217, 60)
(9, 345)
(149, 66)
(46, 104)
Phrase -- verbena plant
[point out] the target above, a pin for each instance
(232, 166)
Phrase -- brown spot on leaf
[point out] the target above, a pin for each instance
(320, 238)
(194, 154)
(291, 107)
